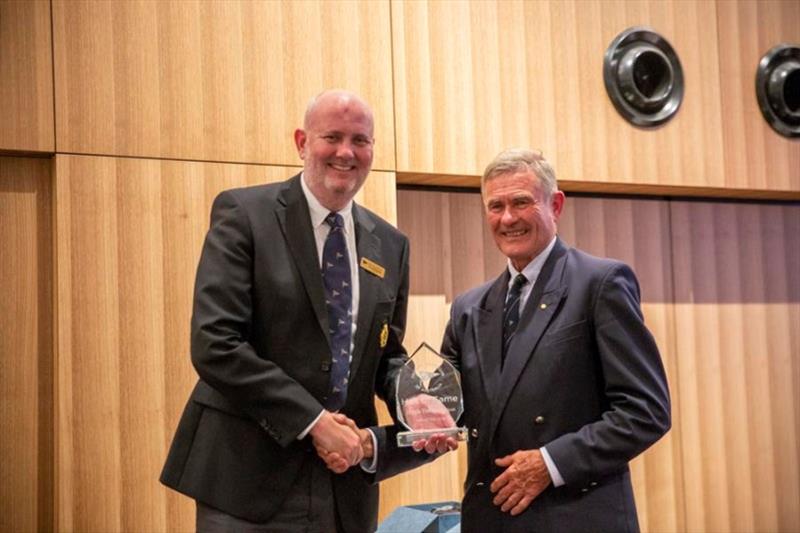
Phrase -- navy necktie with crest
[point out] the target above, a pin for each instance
(511, 311)
(338, 301)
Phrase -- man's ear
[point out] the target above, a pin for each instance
(557, 203)
(300, 142)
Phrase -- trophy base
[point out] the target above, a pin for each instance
(407, 438)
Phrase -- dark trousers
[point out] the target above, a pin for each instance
(309, 508)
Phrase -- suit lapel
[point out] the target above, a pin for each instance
(488, 330)
(368, 245)
(295, 222)
(541, 307)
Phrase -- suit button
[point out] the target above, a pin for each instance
(593, 484)
(584, 490)
(480, 484)
(538, 420)
(325, 366)
(474, 433)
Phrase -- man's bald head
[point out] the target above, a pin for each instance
(340, 97)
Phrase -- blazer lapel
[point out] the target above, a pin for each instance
(541, 307)
(368, 245)
(488, 330)
(295, 222)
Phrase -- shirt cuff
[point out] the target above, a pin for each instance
(303, 434)
(555, 475)
(370, 466)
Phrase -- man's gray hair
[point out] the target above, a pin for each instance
(516, 160)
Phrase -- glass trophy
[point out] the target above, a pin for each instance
(429, 397)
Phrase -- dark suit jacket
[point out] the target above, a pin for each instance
(582, 377)
(259, 345)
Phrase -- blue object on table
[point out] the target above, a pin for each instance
(442, 517)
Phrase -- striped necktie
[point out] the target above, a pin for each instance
(511, 311)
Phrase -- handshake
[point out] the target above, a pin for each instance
(342, 444)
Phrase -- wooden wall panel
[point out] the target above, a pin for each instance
(130, 233)
(26, 345)
(26, 85)
(441, 480)
(452, 249)
(756, 157)
(737, 281)
(213, 80)
(472, 78)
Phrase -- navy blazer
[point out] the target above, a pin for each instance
(259, 344)
(582, 377)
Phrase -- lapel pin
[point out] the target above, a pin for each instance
(372, 267)
(384, 335)
(543, 306)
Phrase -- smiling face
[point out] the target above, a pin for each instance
(335, 145)
(521, 216)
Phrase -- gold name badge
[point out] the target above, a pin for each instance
(372, 267)
(384, 335)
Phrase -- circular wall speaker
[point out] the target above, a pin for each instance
(778, 89)
(643, 77)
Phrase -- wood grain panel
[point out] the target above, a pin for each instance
(26, 345)
(452, 249)
(755, 155)
(213, 80)
(130, 233)
(737, 280)
(472, 78)
(26, 85)
(441, 480)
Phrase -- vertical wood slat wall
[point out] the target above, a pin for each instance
(26, 85)
(522, 73)
(213, 80)
(26, 344)
(200, 80)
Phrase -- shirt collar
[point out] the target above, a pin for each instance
(532, 269)
(318, 211)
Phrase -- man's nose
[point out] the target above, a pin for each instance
(345, 149)
(508, 216)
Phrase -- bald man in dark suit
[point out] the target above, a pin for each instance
(299, 313)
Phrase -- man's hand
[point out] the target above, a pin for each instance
(525, 477)
(437, 442)
(336, 462)
(337, 434)
(426, 412)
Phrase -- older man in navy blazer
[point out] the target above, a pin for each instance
(563, 383)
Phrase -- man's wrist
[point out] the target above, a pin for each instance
(552, 469)
(368, 440)
(367, 443)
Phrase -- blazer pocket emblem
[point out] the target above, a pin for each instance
(372, 267)
(384, 338)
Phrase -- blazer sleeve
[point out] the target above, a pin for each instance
(635, 387)
(222, 322)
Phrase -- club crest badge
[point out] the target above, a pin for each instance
(384, 338)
